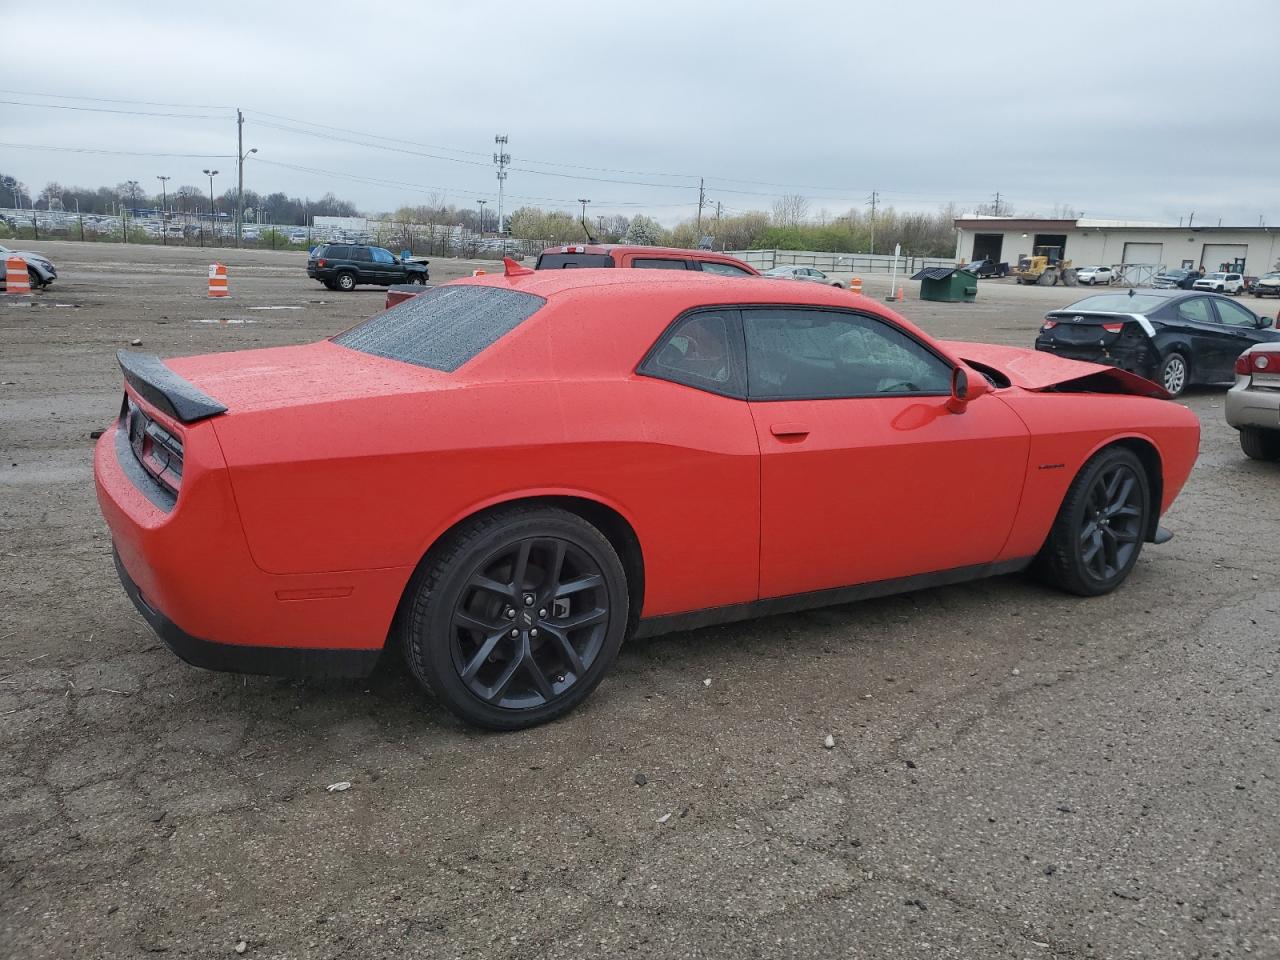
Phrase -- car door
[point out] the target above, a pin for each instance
(362, 260)
(385, 267)
(1240, 331)
(865, 473)
(1196, 320)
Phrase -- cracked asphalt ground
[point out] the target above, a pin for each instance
(1016, 773)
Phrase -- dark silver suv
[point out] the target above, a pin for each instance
(343, 266)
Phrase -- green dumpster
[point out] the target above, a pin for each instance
(948, 284)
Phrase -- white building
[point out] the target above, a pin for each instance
(1249, 250)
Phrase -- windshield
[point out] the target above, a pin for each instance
(1216, 276)
(780, 272)
(1176, 273)
(1115, 303)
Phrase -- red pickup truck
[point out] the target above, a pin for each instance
(597, 255)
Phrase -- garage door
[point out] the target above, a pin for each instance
(1143, 253)
(1216, 254)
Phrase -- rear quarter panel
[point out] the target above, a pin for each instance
(373, 482)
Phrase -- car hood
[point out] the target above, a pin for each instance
(1038, 371)
(277, 377)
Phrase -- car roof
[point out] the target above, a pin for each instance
(718, 289)
(684, 253)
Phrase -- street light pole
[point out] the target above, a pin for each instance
(211, 174)
(240, 171)
(482, 203)
(585, 228)
(164, 209)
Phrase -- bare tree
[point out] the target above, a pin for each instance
(790, 210)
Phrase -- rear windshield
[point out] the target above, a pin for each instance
(561, 261)
(444, 327)
(1116, 303)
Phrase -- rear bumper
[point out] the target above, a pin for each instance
(238, 658)
(1252, 407)
(187, 568)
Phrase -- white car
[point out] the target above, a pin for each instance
(1221, 282)
(1267, 285)
(1092, 275)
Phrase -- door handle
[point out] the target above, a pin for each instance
(789, 430)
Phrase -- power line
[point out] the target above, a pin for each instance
(133, 113)
(144, 103)
(118, 153)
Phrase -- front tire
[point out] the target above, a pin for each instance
(346, 281)
(1175, 373)
(1098, 533)
(1259, 443)
(517, 617)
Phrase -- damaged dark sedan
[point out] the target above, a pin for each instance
(1176, 338)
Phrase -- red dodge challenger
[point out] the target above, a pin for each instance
(507, 475)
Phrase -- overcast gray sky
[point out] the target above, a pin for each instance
(1141, 110)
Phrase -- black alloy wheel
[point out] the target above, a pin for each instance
(1100, 528)
(529, 623)
(517, 617)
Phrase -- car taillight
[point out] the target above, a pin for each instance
(1248, 363)
(322, 263)
(573, 249)
(1050, 324)
(1113, 327)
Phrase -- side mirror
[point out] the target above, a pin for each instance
(959, 390)
(964, 390)
(1264, 322)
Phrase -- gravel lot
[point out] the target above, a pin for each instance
(1017, 773)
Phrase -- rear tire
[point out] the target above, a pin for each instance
(1259, 443)
(346, 281)
(543, 574)
(1098, 533)
(1174, 373)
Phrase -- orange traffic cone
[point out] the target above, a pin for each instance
(855, 285)
(478, 273)
(219, 286)
(17, 282)
(901, 293)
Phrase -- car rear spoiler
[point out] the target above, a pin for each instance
(165, 390)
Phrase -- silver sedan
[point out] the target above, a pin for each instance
(1253, 404)
(793, 272)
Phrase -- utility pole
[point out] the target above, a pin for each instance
(501, 158)
(164, 209)
(702, 202)
(240, 171)
(995, 205)
(873, 203)
(481, 204)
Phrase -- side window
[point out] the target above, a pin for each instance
(723, 269)
(382, 256)
(803, 354)
(336, 251)
(361, 254)
(1235, 315)
(698, 352)
(653, 263)
(1197, 310)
